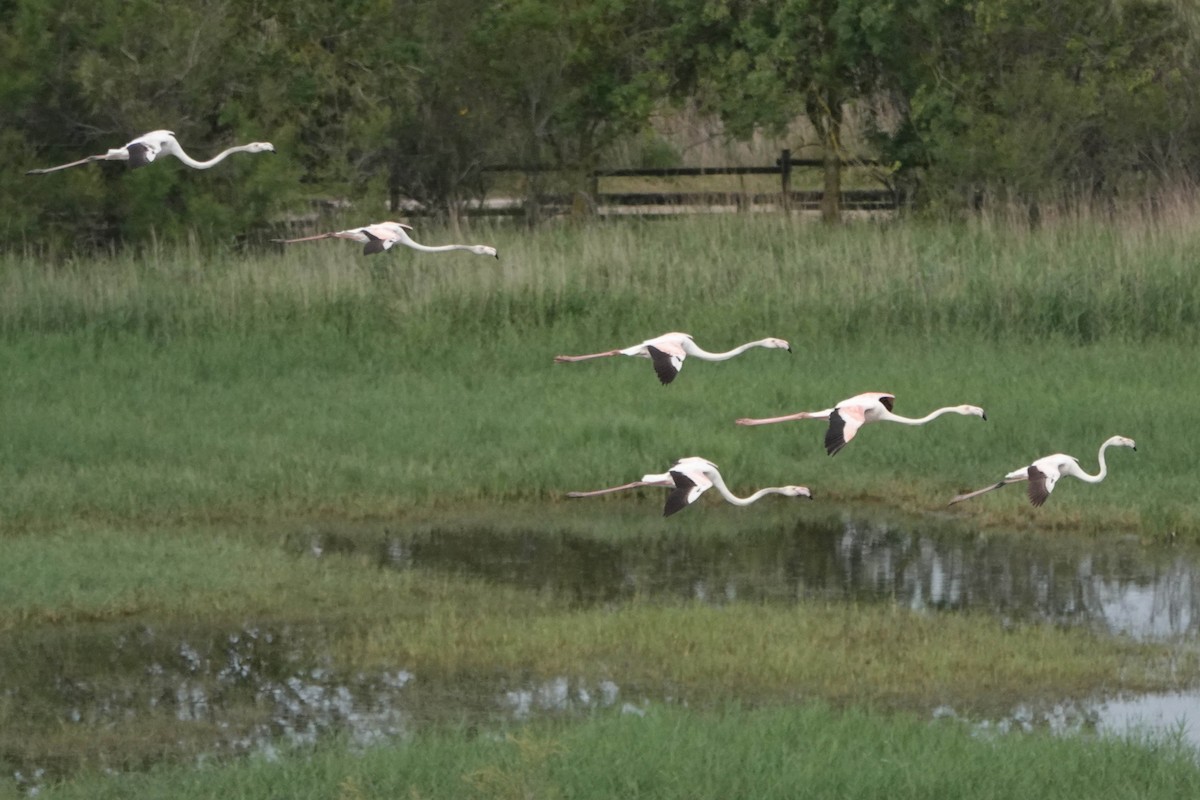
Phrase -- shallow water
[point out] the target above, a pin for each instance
(1116, 587)
(124, 696)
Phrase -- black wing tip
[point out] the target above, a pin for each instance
(662, 365)
(139, 155)
(834, 441)
(677, 497)
(1037, 487)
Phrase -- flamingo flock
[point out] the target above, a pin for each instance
(376, 238)
(688, 478)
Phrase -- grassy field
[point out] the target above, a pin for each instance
(171, 418)
(179, 385)
(676, 753)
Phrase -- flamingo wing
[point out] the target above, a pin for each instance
(140, 154)
(667, 359)
(374, 243)
(688, 487)
(1041, 484)
(844, 422)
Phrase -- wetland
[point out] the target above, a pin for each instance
(301, 522)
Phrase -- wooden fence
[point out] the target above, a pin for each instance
(666, 202)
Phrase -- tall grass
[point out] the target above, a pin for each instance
(1078, 279)
(184, 384)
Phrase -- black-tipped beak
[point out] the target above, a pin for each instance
(789, 348)
(1135, 449)
(984, 416)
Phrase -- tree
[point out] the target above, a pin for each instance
(758, 63)
(571, 78)
(1041, 101)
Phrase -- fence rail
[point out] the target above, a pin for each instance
(659, 202)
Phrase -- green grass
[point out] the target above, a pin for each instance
(172, 418)
(263, 425)
(676, 753)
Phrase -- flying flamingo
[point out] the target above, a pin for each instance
(688, 478)
(147, 147)
(383, 235)
(1044, 473)
(668, 351)
(851, 414)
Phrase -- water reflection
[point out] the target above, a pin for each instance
(75, 696)
(1167, 714)
(1114, 587)
(127, 697)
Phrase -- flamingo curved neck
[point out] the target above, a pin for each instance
(692, 349)
(932, 415)
(178, 152)
(719, 482)
(407, 240)
(1099, 476)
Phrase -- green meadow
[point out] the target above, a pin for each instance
(179, 385)
(172, 417)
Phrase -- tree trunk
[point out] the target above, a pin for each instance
(831, 130)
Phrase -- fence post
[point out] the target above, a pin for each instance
(785, 175)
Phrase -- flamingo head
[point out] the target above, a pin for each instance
(795, 491)
(972, 411)
(780, 344)
(484, 250)
(260, 147)
(1121, 441)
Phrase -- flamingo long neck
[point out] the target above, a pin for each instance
(407, 240)
(693, 349)
(932, 415)
(1078, 472)
(719, 482)
(178, 152)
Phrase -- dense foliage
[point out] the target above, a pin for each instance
(411, 99)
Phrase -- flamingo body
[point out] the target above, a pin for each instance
(848, 416)
(667, 352)
(688, 478)
(149, 146)
(384, 235)
(1043, 475)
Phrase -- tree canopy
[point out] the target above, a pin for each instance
(409, 100)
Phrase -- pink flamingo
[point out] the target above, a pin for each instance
(383, 235)
(668, 351)
(688, 478)
(1044, 473)
(149, 146)
(851, 414)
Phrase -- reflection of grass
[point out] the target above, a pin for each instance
(441, 625)
(378, 619)
(676, 753)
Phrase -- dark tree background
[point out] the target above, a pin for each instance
(381, 102)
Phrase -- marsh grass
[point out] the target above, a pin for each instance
(441, 624)
(680, 753)
(179, 384)
(170, 416)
